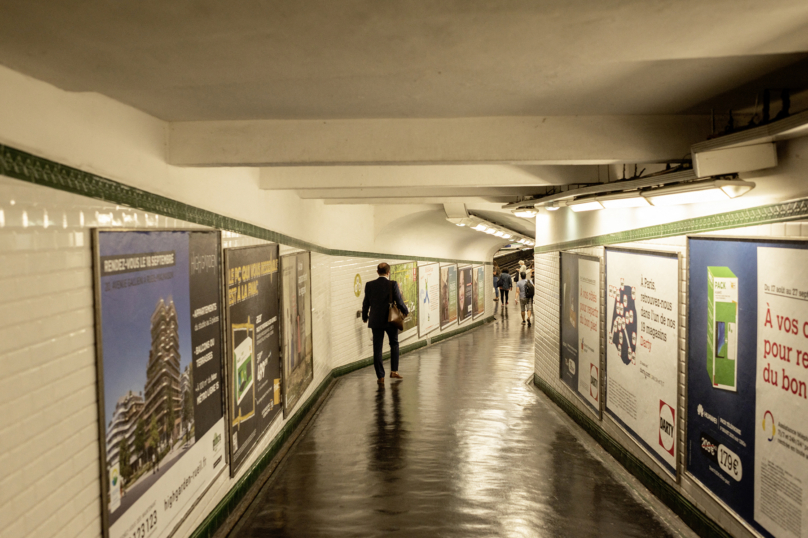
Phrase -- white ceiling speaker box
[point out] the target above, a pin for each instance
(733, 160)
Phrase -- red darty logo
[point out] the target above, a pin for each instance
(593, 382)
(666, 422)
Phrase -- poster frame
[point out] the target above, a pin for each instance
(473, 269)
(418, 268)
(724, 237)
(287, 409)
(676, 474)
(440, 291)
(228, 352)
(99, 363)
(406, 335)
(597, 411)
(471, 316)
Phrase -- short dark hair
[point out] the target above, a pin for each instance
(523, 274)
(383, 269)
(506, 271)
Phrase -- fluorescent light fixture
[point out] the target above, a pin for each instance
(459, 224)
(697, 192)
(491, 231)
(481, 227)
(525, 212)
(585, 204)
(507, 236)
(551, 206)
(500, 234)
(622, 199)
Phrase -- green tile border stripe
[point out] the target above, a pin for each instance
(228, 504)
(25, 166)
(766, 214)
(697, 520)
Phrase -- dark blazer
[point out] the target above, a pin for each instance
(376, 304)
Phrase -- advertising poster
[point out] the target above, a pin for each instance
(642, 348)
(159, 339)
(448, 295)
(253, 346)
(465, 294)
(406, 275)
(747, 379)
(478, 291)
(297, 353)
(580, 326)
(428, 298)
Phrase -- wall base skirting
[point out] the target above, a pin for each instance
(682, 507)
(228, 505)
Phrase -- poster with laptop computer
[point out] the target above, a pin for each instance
(747, 382)
(642, 349)
(579, 362)
(296, 328)
(252, 284)
(159, 339)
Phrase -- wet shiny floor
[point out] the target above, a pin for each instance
(460, 447)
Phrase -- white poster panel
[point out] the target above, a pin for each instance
(428, 298)
(589, 330)
(781, 438)
(642, 318)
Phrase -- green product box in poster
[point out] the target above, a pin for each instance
(722, 327)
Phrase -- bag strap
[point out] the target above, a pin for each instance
(391, 292)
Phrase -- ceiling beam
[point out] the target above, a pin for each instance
(418, 176)
(423, 192)
(508, 140)
(419, 200)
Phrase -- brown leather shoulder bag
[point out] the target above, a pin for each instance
(395, 316)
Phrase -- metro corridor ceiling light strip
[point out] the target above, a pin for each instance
(719, 190)
(489, 228)
(585, 204)
(622, 200)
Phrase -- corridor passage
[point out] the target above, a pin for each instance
(461, 447)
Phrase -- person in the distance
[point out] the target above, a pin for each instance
(375, 312)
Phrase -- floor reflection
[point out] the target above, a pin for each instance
(460, 447)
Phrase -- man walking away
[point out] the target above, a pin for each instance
(505, 285)
(375, 312)
(526, 292)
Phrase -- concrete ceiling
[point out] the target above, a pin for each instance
(493, 100)
(319, 59)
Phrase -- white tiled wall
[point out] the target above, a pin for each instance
(547, 351)
(49, 449)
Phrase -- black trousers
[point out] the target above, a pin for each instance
(378, 344)
(504, 294)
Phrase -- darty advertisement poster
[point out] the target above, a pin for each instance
(297, 352)
(580, 326)
(428, 298)
(448, 295)
(158, 325)
(748, 379)
(253, 346)
(642, 348)
(464, 294)
(478, 292)
(406, 276)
